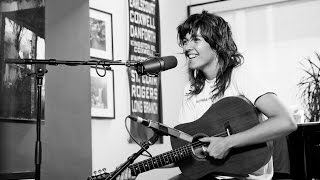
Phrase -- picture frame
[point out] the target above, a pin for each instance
(102, 93)
(18, 92)
(101, 34)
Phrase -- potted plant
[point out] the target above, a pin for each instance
(310, 88)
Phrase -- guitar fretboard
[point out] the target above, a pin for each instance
(161, 160)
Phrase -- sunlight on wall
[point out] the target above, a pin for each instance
(274, 39)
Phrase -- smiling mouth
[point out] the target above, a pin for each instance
(192, 56)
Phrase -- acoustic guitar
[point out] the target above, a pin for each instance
(228, 116)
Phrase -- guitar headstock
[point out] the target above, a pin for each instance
(99, 175)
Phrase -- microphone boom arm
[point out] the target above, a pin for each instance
(69, 63)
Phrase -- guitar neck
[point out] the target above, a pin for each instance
(161, 160)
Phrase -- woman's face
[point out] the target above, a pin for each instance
(200, 55)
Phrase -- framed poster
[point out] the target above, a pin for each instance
(102, 94)
(21, 38)
(101, 40)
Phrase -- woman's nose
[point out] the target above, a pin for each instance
(188, 45)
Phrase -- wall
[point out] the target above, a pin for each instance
(274, 39)
(17, 138)
(66, 132)
(110, 147)
(17, 146)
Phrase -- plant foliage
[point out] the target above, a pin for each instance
(310, 88)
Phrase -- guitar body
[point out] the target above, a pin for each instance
(235, 113)
(231, 114)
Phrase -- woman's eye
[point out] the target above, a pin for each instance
(184, 42)
(197, 39)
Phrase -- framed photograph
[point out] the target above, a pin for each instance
(18, 90)
(102, 93)
(101, 40)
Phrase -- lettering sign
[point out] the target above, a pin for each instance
(144, 42)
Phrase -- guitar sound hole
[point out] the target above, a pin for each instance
(199, 148)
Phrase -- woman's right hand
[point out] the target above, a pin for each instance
(126, 175)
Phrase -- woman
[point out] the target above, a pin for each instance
(214, 72)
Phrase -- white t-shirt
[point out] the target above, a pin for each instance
(193, 107)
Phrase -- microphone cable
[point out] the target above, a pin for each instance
(134, 139)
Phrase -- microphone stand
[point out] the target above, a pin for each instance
(134, 156)
(145, 145)
(39, 76)
(38, 149)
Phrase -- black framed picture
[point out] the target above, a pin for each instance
(101, 34)
(102, 93)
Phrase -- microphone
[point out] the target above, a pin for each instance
(162, 129)
(155, 65)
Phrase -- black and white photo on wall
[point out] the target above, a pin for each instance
(101, 40)
(21, 37)
(102, 93)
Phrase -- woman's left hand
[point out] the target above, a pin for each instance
(218, 147)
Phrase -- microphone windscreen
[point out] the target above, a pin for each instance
(155, 65)
(169, 62)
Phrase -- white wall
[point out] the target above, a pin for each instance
(110, 147)
(274, 39)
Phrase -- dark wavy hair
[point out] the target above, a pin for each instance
(216, 31)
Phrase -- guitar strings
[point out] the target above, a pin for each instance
(200, 143)
(185, 148)
(194, 144)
